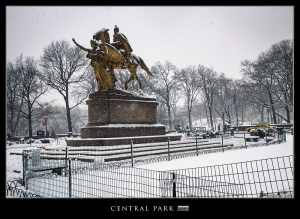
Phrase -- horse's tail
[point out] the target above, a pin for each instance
(144, 66)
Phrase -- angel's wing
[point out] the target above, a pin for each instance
(113, 54)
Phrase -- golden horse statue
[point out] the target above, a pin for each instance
(119, 58)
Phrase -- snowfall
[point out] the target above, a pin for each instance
(14, 162)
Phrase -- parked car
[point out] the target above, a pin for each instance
(212, 134)
(171, 131)
(178, 128)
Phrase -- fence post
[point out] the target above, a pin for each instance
(66, 163)
(267, 137)
(131, 153)
(25, 166)
(168, 148)
(222, 140)
(70, 180)
(174, 186)
(245, 140)
(196, 146)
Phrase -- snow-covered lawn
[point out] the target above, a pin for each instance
(14, 165)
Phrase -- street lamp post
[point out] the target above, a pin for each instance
(236, 109)
(46, 119)
(236, 106)
(237, 117)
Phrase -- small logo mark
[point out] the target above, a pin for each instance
(183, 208)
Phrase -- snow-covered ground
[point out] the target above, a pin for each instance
(14, 162)
(227, 157)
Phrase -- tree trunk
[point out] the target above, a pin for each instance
(169, 117)
(211, 119)
(262, 113)
(68, 116)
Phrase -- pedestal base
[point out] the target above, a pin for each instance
(116, 117)
(122, 130)
(120, 107)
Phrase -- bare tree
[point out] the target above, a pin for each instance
(280, 56)
(273, 71)
(79, 118)
(61, 68)
(85, 87)
(208, 84)
(14, 95)
(31, 89)
(146, 80)
(199, 110)
(258, 72)
(57, 121)
(242, 99)
(174, 98)
(165, 85)
(223, 100)
(190, 87)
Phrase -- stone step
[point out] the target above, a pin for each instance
(121, 140)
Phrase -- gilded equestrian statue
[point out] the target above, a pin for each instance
(106, 56)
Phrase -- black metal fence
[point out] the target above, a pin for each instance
(107, 172)
(15, 189)
(271, 178)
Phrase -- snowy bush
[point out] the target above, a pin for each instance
(30, 141)
(9, 143)
(37, 142)
(252, 132)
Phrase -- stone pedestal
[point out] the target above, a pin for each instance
(116, 116)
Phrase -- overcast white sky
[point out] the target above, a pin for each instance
(214, 36)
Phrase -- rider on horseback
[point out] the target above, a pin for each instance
(105, 57)
(121, 42)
